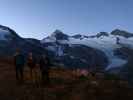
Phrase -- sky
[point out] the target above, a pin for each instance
(39, 18)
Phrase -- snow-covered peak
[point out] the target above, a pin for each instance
(101, 34)
(57, 32)
(57, 35)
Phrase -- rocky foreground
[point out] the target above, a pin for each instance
(65, 85)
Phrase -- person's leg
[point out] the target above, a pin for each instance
(36, 76)
(31, 76)
(21, 73)
(47, 77)
(17, 73)
(42, 76)
(32, 72)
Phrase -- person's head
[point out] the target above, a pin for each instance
(30, 54)
(18, 50)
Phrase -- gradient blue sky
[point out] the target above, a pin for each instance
(37, 18)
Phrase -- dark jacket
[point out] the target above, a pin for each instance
(19, 59)
(44, 63)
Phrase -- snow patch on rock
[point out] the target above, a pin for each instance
(3, 34)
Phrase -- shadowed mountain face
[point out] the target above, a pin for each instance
(77, 36)
(101, 34)
(125, 72)
(77, 56)
(10, 41)
(60, 35)
(125, 34)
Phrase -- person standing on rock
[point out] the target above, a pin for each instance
(19, 65)
(44, 68)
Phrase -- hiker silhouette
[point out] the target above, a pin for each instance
(44, 68)
(31, 62)
(19, 65)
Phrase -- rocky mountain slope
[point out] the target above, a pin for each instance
(10, 41)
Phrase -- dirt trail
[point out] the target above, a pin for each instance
(63, 87)
(10, 90)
